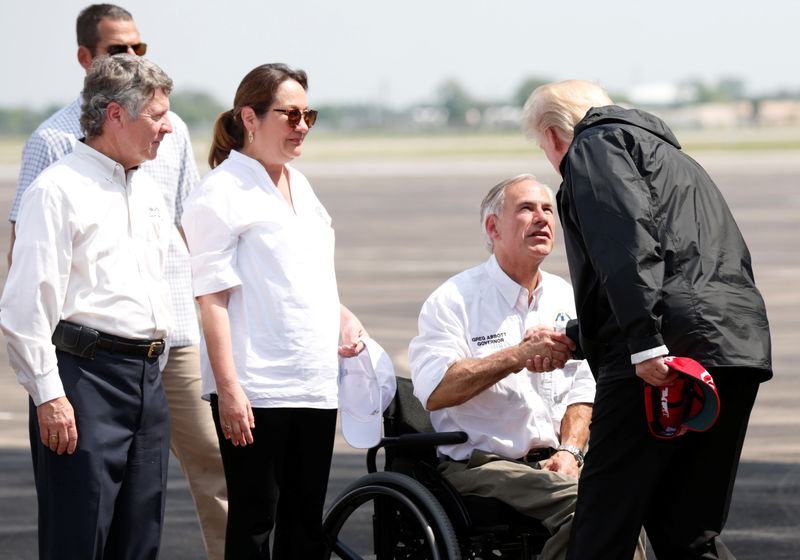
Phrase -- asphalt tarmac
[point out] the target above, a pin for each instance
(402, 228)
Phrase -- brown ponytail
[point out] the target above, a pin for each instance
(228, 135)
(257, 90)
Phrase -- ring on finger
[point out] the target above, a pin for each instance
(54, 437)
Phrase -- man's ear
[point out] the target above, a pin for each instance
(85, 57)
(491, 226)
(554, 139)
(116, 115)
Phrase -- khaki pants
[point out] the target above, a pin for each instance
(193, 440)
(547, 496)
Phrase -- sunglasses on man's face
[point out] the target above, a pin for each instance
(138, 49)
(294, 116)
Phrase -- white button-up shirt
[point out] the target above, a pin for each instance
(473, 315)
(174, 170)
(278, 263)
(91, 247)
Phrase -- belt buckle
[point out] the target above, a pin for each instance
(153, 346)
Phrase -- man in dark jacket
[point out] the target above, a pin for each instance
(659, 267)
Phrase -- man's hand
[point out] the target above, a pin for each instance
(655, 372)
(548, 349)
(563, 462)
(57, 425)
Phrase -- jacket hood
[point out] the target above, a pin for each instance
(613, 114)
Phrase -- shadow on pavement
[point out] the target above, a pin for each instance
(763, 522)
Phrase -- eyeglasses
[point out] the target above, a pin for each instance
(138, 49)
(294, 115)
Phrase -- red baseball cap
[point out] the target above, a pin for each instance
(691, 403)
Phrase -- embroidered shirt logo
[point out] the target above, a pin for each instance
(561, 317)
(560, 321)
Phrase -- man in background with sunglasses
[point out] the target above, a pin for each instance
(103, 30)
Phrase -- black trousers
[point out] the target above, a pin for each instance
(279, 481)
(679, 489)
(106, 500)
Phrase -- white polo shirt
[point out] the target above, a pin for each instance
(475, 314)
(284, 304)
(91, 248)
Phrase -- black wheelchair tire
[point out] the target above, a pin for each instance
(434, 525)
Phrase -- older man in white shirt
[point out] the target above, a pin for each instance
(102, 30)
(477, 333)
(85, 311)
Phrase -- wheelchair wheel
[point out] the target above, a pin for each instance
(406, 520)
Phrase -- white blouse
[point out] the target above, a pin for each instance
(278, 265)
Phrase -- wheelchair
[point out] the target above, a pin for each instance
(413, 511)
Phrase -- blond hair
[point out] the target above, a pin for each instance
(560, 106)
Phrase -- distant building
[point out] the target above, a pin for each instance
(659, 94)
(711, 115)
(778, 112)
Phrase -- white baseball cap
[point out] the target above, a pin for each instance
(366, 387)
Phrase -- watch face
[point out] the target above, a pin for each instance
(577, 453)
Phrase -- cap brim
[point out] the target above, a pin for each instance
(366, 386)
(697, 374)
(361, 434)
(704, 419)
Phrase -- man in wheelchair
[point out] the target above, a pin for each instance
(477, 332)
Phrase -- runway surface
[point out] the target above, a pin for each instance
(402, 228)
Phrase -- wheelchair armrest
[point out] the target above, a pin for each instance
(410, 440)
(432, 438)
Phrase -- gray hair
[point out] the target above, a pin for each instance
(560, 106)
(495, 199)
(125, 79)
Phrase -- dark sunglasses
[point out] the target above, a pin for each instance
(294, 115)
(138, 49)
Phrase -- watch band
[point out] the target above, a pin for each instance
(574, 450)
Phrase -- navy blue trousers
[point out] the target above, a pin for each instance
(278, 482)
(106, 500)
(678, 489)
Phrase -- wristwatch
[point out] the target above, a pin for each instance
(574, 450)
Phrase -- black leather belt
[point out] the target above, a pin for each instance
(536, 455)
(533, 456)
(149, 348)
(82, 341)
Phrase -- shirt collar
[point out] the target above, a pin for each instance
(508, 288)
(255, 166)
(106, 166)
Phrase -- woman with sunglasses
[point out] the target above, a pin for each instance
(262, 261)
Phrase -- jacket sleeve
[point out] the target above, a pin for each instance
(613, 207)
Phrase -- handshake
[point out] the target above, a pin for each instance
(547, 348)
